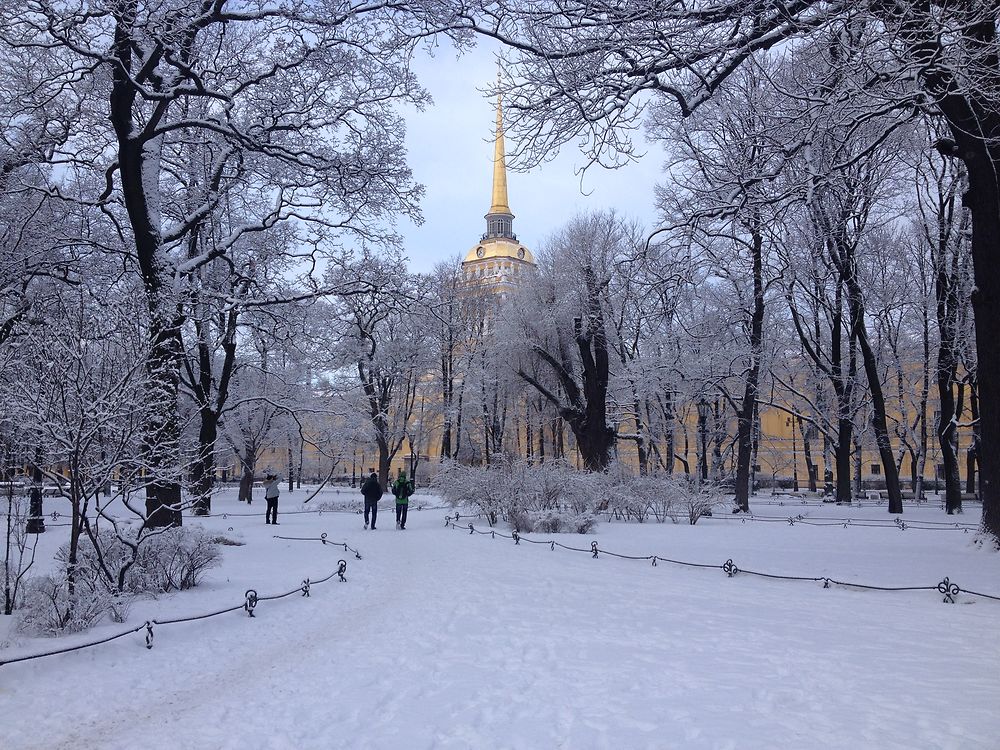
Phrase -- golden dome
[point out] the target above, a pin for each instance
(499, 248)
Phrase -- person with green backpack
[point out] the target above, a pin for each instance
(402, 488)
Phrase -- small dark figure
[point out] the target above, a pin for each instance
(402, 488)
(372, 491)
(271, 492)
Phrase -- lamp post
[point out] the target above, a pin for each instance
(703, 433)
(354, 468)
(36, 517)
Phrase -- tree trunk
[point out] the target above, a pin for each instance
(595, 441)
(972, 455)
(983, 199)
(246, 481)
(842, 460)
(384, 460)
(138, 167)
(161, 443)
(878, 407)
(203, 470)
(946, 432)
(807, 453)
(748, 407)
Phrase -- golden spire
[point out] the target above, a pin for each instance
(499, 164)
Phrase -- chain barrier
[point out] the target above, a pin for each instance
(948, 589)
(895, 523)
(321, 538)
(251, 600)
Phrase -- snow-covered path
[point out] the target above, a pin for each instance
(441, 639)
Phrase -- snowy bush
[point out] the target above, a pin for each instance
(554, 497)
(175, 559)
(634, 498)
(547, 497)
(180, 557)
(552, 521)
(50, 608)
(691, 497)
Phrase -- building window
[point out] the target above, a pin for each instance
(876, 468)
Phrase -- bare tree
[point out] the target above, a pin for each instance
(582, 70)
(942, 227)
(561, 322)
(291, 100)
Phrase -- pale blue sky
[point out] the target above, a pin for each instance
(451, 154)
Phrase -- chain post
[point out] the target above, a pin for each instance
(949, 589)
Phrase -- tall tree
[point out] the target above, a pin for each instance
(299, 95)
(582, 70)
(561, 325)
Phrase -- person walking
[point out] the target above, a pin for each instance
(372, 491)
(271, 492)
(402, 488)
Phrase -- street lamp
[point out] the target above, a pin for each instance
(703, 432)
(354, 468)
(36, 517)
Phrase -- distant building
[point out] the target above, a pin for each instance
(498, 259)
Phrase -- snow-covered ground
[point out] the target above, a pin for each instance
(442, 639)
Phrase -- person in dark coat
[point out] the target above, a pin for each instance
(372, 491)
(271, 492)
(402, 488)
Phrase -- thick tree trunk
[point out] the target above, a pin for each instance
(946, 431)
(384, 461)
(842, 460)
(138, 167)
(983, 199)
(161, 444)
(203, 470)
(595, 441)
